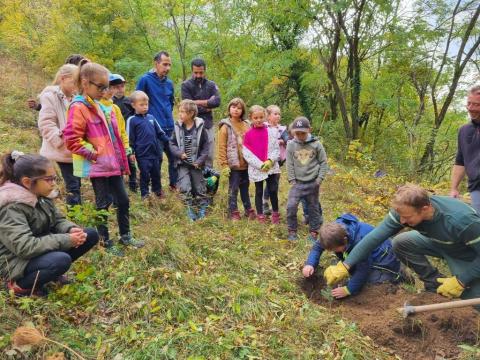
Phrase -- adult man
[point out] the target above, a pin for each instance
(159, 89)
(468, 153)
(443, 227)
(205, 95)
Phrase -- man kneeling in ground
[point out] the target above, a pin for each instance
(341, 237)
(442, 227)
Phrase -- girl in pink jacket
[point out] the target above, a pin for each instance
(99, 154)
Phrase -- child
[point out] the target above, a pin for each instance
(99, 154)
(306, 168)
(117, 84)
(261, 151)
(38, 244)
(230, 158)
(273, 118)
(147, 138)
(190, 149)
(51, 122)
(107, 105)
(341, 237)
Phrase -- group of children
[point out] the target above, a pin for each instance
(252, 146)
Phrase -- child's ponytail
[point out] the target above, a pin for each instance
(16, 165)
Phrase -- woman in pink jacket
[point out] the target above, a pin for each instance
(51, 123)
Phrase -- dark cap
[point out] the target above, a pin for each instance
(115, 79)
(301, 123)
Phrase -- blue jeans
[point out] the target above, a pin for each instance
(238, 180)
(72, 184)
(172, 171)
(49, 266)
(475, 195)
(149, 171)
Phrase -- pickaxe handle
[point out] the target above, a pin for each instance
(409, 309)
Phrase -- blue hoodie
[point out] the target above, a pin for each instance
(380, 258)
(161, 98)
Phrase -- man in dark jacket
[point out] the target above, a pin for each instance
(468, 153)
(206, 96)
(159, 89)
(341, 237)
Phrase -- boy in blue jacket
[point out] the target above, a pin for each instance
(146, 139)
(341, 237)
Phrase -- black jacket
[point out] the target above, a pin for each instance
(202, 90)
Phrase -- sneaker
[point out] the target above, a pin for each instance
(191, 213)
(235, 215)
(160, 194)
(114, 250)
(20, 292)
(266, 209)
(250, 214)
(63, 280)
(292, 235)
(275, 217)
(202, 212)
(313, 236)
(129, 240)
(261, 218)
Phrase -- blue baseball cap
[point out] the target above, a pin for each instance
(115, 79)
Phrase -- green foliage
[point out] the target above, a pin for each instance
(86, 214)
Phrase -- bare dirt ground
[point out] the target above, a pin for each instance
(432, 336)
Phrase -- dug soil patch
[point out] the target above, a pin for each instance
(433, 335)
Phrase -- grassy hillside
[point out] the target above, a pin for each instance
(206, 290)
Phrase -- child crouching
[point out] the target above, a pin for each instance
(189, 146)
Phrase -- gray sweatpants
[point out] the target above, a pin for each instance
(191, 185)
(309, 192)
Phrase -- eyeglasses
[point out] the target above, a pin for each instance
(49, 179)
(100, 87)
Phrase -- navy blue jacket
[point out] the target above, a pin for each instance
(202, 90)
(382, 257)
(468, 153)
(161, 98)
(146, 136)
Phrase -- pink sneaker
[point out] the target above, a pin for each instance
(235, 215)
(250, 214)
(275, 218)
(261, 218)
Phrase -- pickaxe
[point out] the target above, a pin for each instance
(408, 309)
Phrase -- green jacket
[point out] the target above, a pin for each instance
(29, 227)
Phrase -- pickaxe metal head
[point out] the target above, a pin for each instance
(406, 310)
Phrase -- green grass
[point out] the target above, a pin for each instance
(206, 290)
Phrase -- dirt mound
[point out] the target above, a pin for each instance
(434, 335)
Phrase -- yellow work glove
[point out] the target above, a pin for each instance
(335, 273)
(267, 165)
(451, 287)
(226, 171)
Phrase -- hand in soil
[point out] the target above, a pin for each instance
(340, 292)
(308, 270)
